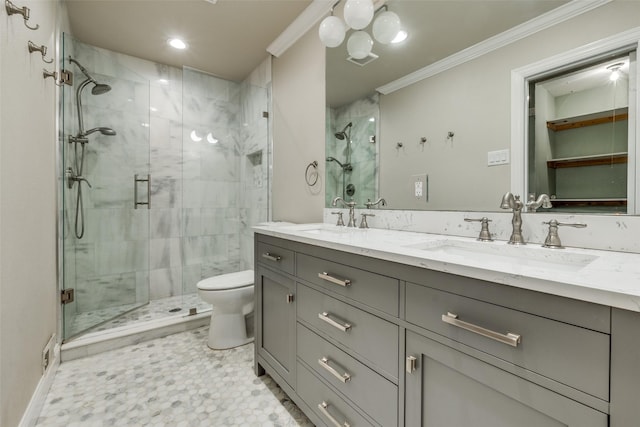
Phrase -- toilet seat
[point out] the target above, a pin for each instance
(240, 279)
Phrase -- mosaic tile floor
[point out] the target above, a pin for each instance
(156, 309)
(171, 381)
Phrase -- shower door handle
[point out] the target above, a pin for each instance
(136, 180)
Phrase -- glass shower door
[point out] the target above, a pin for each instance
(105, 189)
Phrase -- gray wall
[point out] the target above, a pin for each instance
(473, 100)
(28, 208)
(298, 129)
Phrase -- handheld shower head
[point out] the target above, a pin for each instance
(102, 130)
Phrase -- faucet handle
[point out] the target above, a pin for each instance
(340, 222)
(363, 221)
(553, 240)
(485, 235)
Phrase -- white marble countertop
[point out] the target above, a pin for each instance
(602, 277)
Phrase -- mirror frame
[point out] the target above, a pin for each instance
(519, 109)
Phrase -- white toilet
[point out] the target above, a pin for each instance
(231, 296)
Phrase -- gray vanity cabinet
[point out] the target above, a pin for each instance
(449, 388)
(363, 341)
(276, 319)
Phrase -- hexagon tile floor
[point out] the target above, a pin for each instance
(173, 381)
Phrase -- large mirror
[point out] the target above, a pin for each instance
(445, 131)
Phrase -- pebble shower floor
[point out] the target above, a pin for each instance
(172, 381)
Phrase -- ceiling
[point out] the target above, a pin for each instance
(228, 39)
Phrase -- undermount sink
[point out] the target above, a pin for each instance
(501, 253)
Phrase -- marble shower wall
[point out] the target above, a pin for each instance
(364, 152)
(204, 196)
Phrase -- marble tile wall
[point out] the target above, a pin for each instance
(204, 196)
(364, 153)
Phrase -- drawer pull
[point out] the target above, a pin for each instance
(325, 316)
(324, 362)
(271, 257)
(335, 281)
(510, 339)
(324, 408)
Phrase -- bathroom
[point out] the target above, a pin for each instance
(30, 194)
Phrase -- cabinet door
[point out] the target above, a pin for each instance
(450, 388)
(276, 322)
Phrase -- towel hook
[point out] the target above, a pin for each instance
(12, 9)
(42, 49)
(46, 74)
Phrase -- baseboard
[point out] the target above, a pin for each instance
(31, 414)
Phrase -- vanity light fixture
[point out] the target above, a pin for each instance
(177, 43)
(358, 14)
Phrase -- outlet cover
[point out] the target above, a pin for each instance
(420, 185)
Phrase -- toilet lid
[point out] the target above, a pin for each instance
(227, 281)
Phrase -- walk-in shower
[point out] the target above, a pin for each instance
(74, 173)
(142, 263)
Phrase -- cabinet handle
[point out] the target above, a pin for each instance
(411, 364)
(289, 298)
(328, 278)
(324, 408)
(271, 257)
(325, 316)
(324, 362)
(510, 339)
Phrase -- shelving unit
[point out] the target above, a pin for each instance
(598, 118)
(595, 160)
(569, 129)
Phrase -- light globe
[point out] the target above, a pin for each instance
(359, 45)
(331, 31)
(358, 13)
(386, 27)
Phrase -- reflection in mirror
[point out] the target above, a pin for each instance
(351, 151)
(578, 136)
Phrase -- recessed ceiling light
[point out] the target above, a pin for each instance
(400, 37)
(177, 43)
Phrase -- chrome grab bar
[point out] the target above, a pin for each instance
(271, 257)
(324, 362)
(329, 278)
(325, 317)
(136, 180)
(324, 408)
(510, 339)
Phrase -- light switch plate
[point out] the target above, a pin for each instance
(498, 157)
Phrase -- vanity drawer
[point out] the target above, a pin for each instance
(371, 392)
(562, 352)
(276, 257)
(331, 409)
(374, 290)
(373, 339)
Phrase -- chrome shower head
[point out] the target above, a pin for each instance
(100, 88)
(342, 135)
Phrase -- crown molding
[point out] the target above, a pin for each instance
(544, 21)
(300, 26)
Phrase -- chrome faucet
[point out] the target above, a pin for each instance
(542, 201)
(380, 201)
(509, 201)
(352, 213)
